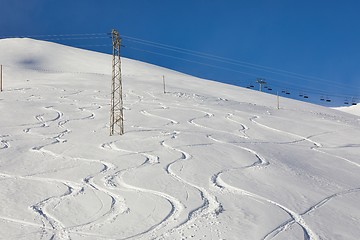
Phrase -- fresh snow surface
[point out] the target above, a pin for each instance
(203, 161)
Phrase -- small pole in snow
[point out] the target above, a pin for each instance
(164, 84)
(278, 101)
(1, 84)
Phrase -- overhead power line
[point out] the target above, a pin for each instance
(228, 60)
(191, 61)
(54, 35)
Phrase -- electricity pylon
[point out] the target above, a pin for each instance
(116, 111)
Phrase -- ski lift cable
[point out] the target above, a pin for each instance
(290, 89)
(338, 85)
(223, 60)
(192, 61)
(290, 86)
(228, 60)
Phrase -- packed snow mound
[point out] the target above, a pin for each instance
(351, 109)
(204, 160)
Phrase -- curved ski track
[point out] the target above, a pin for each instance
(316, 147)
(55, 225)
(261, 162)
(210, 207)
(297, 218)
(176, 205)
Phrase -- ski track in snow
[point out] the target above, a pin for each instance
(42, 123)
(49, 221)
(261, 162)
(176, 205)
(287, 224)
(317, 146)
(309, 234)
(244, 127)
(284, 132)
(153, 115)
(56, 226)
(117, 206)
(209, 115)
(210, 207)
(4, 143)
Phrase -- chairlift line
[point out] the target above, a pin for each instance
(227, 60)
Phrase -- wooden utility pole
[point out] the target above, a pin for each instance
(164, 84)
(1, 80)
(116, 111)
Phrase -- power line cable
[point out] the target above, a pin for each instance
(54, 35)
(192, 61)
(289, 84)
(229, 60)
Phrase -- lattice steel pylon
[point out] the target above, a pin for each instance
(116, 111)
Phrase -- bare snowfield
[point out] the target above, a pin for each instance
(203, 161)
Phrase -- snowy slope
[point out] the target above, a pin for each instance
(203, 161)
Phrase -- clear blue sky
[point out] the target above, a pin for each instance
(317, 39)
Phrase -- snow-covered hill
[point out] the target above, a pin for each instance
(203, 161)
